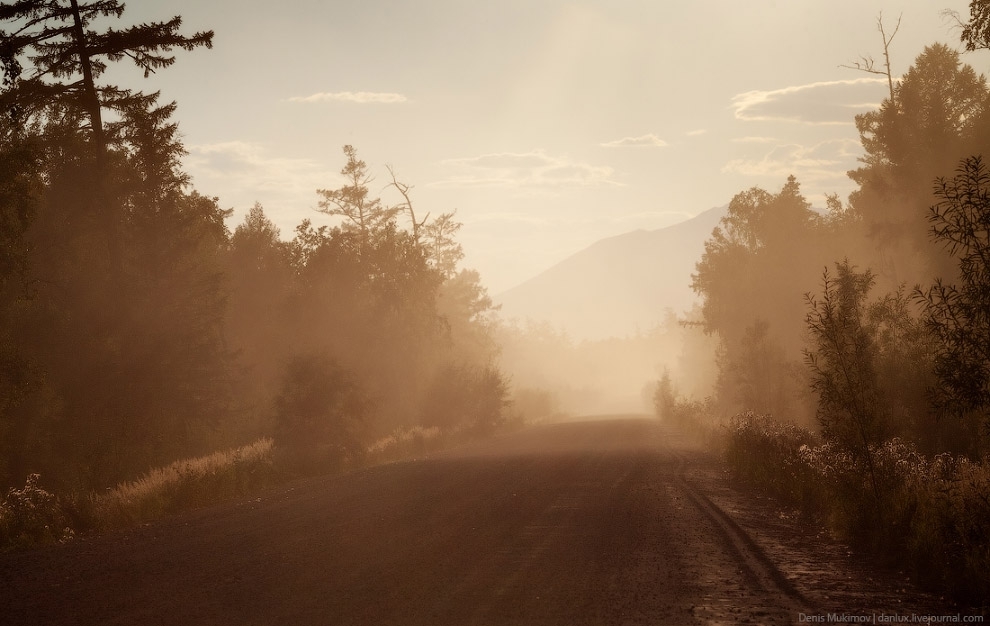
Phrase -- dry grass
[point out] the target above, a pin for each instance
(186, 484)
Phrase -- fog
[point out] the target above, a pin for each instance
(605, 376)
(294, 294)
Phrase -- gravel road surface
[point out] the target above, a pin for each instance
(602, 522)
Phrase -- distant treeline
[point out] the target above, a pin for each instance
(136, 329)
(854, 358)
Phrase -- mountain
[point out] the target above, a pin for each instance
(617, 285)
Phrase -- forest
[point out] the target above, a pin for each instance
(138, 330)
(153, 358)
(853, 378)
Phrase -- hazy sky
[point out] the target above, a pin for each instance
(547, 124)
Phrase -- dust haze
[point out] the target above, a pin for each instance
(309, 406)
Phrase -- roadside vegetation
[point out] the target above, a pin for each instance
(853, 364)
(32, 516)
(137, 331)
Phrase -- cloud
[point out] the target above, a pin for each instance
(695, 133)
(826, 102)
(361, 97)
(752, 139)
(649, 140)
(825, 161)
(534, 169)
(242, 173)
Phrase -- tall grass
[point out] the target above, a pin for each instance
(409, 442)
(35, 516)
(187, 484)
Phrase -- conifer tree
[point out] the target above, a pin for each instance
(68, 58)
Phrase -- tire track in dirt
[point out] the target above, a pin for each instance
(593, 523)
(752, 559)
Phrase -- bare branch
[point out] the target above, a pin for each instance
(406, 205)
(867, 64)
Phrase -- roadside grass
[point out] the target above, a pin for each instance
(186, 484)
(33, 516)
(405, 443)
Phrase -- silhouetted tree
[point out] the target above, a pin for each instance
(868, 65)
(760, 232)
(60, 84)
(842, 359)
(467, 312)
(959, 315)
(361, 213)
(937, 117)
(121, 326)
(67, 58)
(976, 32)
(443, 251)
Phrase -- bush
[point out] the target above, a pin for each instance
(319, 415)
(32, 516)
(466, 395)
(768, 453)
(935, 515)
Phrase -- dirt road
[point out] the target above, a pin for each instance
(604, 522)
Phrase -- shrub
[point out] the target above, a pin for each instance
(936, 516)
(468, 395)
(31, 516)
(319, 415)
(766, 452)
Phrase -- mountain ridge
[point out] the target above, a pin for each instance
(618, 285)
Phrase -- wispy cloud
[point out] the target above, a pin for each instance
(752, 139)
(251, 174)
(643, 141)
(534, 169)
(360, 97)
(825, 102)
(824, 161)
(696, 132)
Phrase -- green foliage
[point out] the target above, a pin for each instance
(959, 316)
